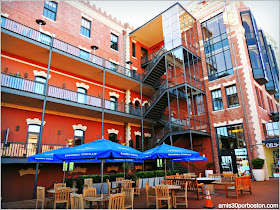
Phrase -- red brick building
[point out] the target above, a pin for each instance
(137, 87)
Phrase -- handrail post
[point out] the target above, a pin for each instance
(43, 116)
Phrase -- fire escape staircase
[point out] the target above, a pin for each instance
(155, 69)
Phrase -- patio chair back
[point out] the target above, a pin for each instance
(137, 188)
(88, 182)
(215, 175)
(126, 184)
(57, 185)
(89, 192)
(116, 201)
(227, 173)
(185, 196)
(167, 182)
(162, 193)
(62, 196)
(119, 178)
(186, 176)
(77, 201)
(128, 198)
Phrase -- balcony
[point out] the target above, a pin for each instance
(13, 152)
(24, 41)
(64, 100)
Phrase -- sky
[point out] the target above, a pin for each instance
(136, 13)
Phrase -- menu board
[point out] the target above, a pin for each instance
(242, 162)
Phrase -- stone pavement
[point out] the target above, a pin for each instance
(266, 192)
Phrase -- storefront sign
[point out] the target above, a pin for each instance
(242, 151)
(272, 145)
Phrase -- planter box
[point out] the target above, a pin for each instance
(151, 181)
(144, 181)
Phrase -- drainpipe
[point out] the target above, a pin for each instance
(43, 117)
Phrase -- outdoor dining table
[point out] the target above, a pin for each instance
(205, 180)
(71, 190)
(172, 188)
(98, 198)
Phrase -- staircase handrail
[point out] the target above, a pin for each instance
(153, 61)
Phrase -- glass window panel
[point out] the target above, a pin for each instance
(34, 128)
(174, 18)
(79, 133)
(228, 59)
(220, 62)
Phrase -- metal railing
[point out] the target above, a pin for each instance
(156, 57)
(58, 44)
(27, 85)
(24, 149)
(149, 57)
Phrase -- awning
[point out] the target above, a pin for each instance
(271, 143)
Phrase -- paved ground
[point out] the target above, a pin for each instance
(263, 193)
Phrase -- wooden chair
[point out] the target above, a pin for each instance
(186, 176)
(119, 178)
(137, 188)
(77, 201)
(194, 186)
(128, 198)
(88, 182)
(185, 195)
(110, 190)
(41, 197)
(162, 193)
(149, 196)
(241, 183)
(229, 178)
(167, 182)
(61, 196)
(215, 175)
(227, 174)
(89, 192)
(126, 184)
(116, 201)
(57, 185)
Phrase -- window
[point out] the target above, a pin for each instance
(232, 97)
(113, 137)
(217, 99)
(33, 134)
(259, 97)
(131, 143)
(138, 142)
(84, 54)
(114, 66)
(50, 10)
(79, 136)
(39, 85)
(144, 52)
(85, 27)
(271, 109)
(113, 103)
(218, 58)
(133, 50)
(114, 42)
(199, 104)
(82, 95)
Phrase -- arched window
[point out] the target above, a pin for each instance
(79, 137)
(137, 107)
(113, 103)
(39, 84)
(82, 95)
(33, 133)
(113, 137)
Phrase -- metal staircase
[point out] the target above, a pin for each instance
(155, 69)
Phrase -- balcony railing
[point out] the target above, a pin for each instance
(24, 149)
(58, 44)
(149, 57)
(27, 85)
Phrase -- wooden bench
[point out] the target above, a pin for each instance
(241, 183)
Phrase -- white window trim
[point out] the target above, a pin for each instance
(79, 127)
(41, 74)
(114, 94)
(34, 121)
(136, 99)
(82, 85)
(137, 133)
(113, 131)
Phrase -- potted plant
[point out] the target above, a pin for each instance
(258, 172)
(210, 168)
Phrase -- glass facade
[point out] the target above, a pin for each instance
(218, 58)
(254, 47)
(232, 149)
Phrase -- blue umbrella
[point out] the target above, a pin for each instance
(100, 149)
(165, 151)
(200, 158)
(47, 156)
